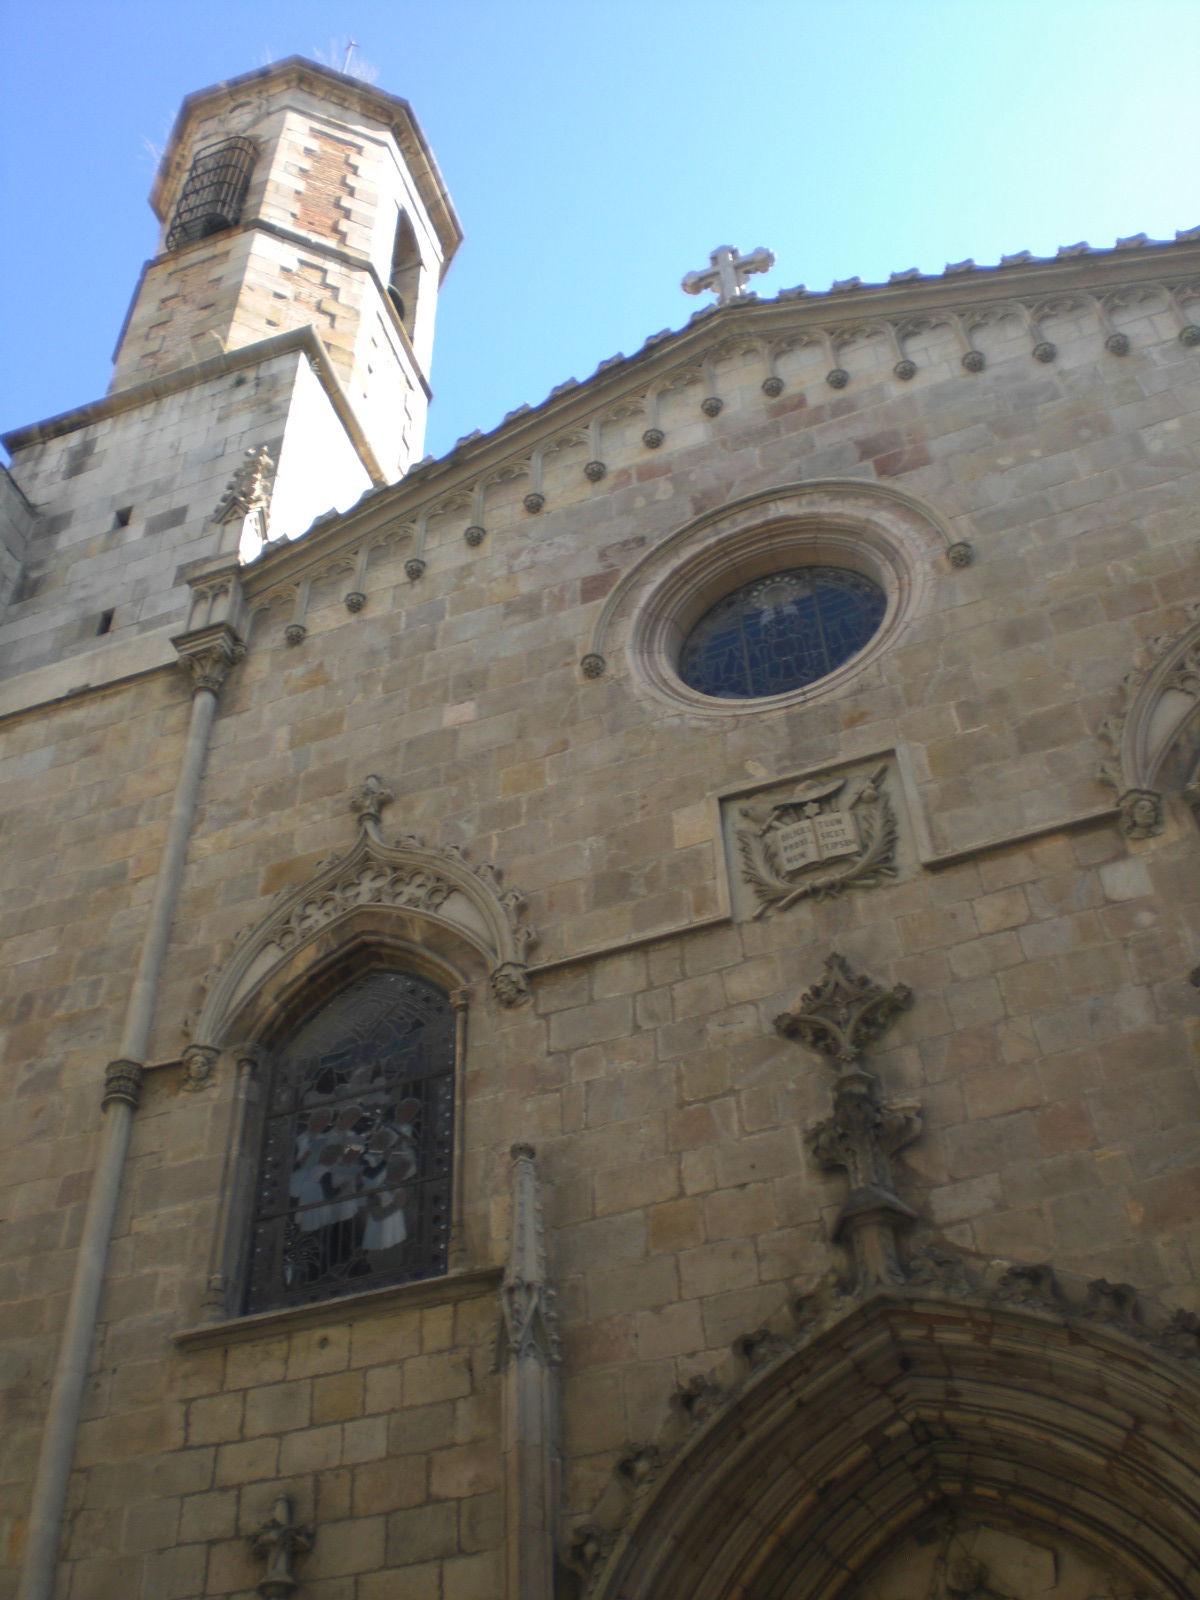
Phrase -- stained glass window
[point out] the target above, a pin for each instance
(780, 632)
(354, 1185)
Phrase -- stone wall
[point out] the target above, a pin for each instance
(1051, 1042)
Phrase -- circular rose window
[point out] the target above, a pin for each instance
(781, 631)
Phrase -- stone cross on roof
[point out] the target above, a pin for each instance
(728, 273)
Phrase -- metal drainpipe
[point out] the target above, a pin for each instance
(209, 655)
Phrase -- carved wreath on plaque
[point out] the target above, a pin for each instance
(818, 843)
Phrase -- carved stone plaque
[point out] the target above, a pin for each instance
(813, 838)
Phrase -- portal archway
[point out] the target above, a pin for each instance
(921, 1418)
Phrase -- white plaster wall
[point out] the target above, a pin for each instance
(318, 467)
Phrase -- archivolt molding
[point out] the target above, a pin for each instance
(852, 1414)
(1155, 701)
(436, 882)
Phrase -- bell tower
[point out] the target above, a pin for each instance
(273, 366)
(298, 197)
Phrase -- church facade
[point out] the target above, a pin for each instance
(614, 1014)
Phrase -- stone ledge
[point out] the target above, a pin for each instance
(373, 1302)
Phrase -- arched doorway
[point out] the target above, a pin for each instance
(926, 1448)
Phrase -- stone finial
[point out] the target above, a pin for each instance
(368, 800)
(278, 1542)
(727, 273)
(843, 1014)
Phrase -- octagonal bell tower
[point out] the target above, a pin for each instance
(298, 197)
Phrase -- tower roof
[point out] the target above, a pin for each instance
(338, 89)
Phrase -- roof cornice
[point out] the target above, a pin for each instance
(432, 483)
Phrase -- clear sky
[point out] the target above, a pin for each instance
(598, 151)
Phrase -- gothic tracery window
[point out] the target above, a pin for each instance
(354, 1182)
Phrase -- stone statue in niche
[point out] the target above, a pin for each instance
(818, 843)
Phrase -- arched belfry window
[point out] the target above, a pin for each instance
(354, 1183)
(214, 191)
(405, 277)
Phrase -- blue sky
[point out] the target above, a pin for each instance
(597, 152)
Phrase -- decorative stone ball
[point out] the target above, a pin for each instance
(295, 633)
(974, 361)
(592, 665)
(474, 535)
(713, 406)
(594, 471)
(355, 600)
(772, 386)
(960, 554)
(1044, 351)
(905, 370)
(652, 438)
(838, 378)
(414, 568)
(1190, 335)
(534, 502)
(1117, 344)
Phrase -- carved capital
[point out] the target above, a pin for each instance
(414, 568)
(653, 438)
(592, 665)
(533, 502)
(209, 655)
(905, 370)
(838, 378)
(474, 535)
(123, 1082)
(974, 361)
(843, 1014)
(712, 406)
(354, 601)
(772, 387)
(595, 470)
(960, 554)
(199, 1065)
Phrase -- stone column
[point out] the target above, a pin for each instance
(208, 654)
(529, 1357)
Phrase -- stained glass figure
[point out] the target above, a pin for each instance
(354, 1187)
(780, 632)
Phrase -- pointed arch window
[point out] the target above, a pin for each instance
(354, 1180)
